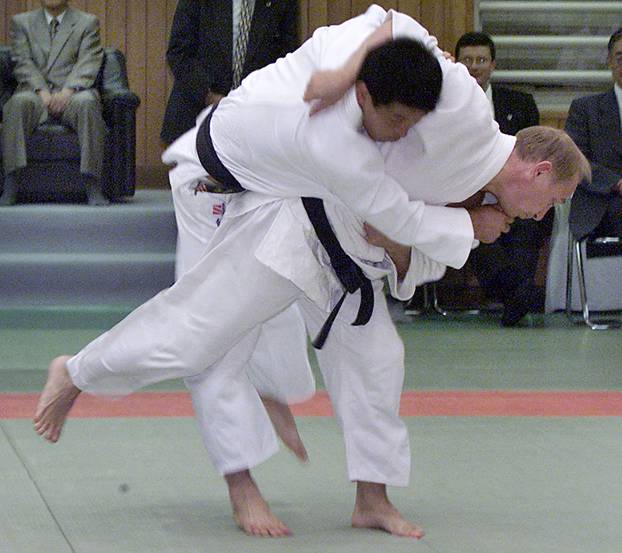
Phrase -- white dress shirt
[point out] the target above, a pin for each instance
(49, 17)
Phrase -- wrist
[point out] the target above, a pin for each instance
(400, 255)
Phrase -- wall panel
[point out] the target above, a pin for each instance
(140, 29)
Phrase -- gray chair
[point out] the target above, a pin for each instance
(587, 248)
(596, 274)
(53, 171)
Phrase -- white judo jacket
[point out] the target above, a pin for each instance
(263, 134)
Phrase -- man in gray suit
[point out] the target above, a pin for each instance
(57, 55)
(594, 123)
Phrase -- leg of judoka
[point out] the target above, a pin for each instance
(363, 368)
(250, 511)
(283, 351)
(280, 371)
(284, 423)
(198, 215)
(184, 329)
(234, 427)
(237, 434)
(55, 401)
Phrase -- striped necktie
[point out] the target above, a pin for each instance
(239, 52)
(54, 23)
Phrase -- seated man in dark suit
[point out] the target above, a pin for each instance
(594, 124)
(506, 268)
(214, 45)
(58, 56)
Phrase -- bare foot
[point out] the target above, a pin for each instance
(285, 426)
(55, 401)
(250, 510)
(374, 510)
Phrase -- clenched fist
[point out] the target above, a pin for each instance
(489, 222)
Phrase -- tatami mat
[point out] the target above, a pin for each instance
(479, 486)
(486, 484)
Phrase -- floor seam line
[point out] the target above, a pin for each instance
(24, 464)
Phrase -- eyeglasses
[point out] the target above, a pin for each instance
(481, 60)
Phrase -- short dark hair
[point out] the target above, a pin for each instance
(402, 71)
(476, 39)
(617, 35)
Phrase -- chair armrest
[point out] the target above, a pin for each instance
(116, 101)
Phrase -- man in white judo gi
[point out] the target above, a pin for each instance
(276, 232)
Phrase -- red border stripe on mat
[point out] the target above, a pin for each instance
(418, 404)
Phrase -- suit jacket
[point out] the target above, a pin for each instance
(514, 110)
(73, 61)
(594, 124)
(200, 52)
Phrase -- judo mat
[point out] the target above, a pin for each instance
(516, 443)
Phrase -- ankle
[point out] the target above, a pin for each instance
(370, 495)
(239, 483)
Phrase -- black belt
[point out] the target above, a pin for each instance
(226, 182)
(348, 272)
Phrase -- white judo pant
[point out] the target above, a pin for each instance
(278, 366)
(273, 357)
(190, 331)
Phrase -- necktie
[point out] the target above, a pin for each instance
(53, 28)
(239, 52)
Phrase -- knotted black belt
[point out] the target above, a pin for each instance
(348, 272)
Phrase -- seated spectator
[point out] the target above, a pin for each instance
(214, 45)
(506, 269)
(594, 124)
(58, 56)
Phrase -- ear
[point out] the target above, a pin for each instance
(493, 65)
(542, 167)
(362, 94)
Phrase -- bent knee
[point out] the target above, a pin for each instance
(21, 101)
(85, 100)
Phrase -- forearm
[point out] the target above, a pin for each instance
(444, 234)
(353, 66)
(422, 269)
(400, 255)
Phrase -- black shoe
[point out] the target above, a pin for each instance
(524, 298)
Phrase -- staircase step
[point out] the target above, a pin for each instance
(144, 223)
(40, 279)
